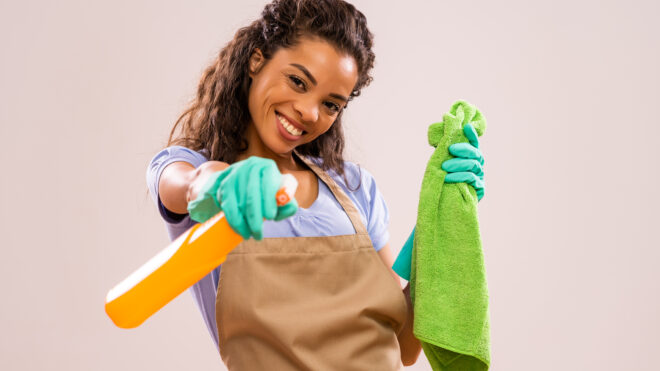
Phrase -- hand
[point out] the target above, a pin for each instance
(245, 191)
(467, 167)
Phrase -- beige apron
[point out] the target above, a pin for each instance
(310, 303)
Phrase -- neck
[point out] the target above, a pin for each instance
(286, 162)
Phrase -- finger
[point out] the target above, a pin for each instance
(465, 177)
(287, 210)
(471, 135)
(270, 183)
(205, 205)
(203, 208)
(233, 215)
(469, 178)
(253, 201)
(455, 165)
(466, 150)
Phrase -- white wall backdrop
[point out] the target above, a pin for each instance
(90, 90)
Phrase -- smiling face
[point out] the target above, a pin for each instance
(296, 95)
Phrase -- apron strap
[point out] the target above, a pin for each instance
(339, 194)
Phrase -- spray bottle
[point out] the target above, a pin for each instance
(189, 258)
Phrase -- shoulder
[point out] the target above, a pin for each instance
(355, 178)
(172, 154)
(167, 156)
(177, 153)
(359, 184)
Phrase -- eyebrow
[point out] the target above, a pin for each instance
(313, 80)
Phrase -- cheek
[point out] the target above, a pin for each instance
(252, 100)
(322, 129)
(257, 100)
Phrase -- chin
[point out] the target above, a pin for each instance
(280, 148)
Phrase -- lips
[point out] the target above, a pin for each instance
(289, 129)
(294, 123)
(284, 133)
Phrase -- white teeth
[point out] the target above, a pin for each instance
(289, 128)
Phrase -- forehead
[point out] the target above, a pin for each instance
(325, 62)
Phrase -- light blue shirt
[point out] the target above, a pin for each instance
(325, 217)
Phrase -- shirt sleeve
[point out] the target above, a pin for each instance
(155, 169)
(377, 213)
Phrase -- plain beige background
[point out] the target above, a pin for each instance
(90, 90)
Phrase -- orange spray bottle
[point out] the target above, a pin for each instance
(189, 258)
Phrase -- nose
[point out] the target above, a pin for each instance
(307, 109)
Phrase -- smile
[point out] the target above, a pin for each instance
(288, 127)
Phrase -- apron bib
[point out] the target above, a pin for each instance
(309, 303)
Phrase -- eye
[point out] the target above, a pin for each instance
(333, 107)
(297, 82)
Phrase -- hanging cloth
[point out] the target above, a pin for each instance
(448, 277)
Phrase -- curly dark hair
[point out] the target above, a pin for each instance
(217, 118)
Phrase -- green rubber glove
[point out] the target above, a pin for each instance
(467, 166)
(404, 259)
(245, 191)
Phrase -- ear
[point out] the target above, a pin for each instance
(256, 61)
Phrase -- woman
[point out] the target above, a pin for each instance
(313, 287)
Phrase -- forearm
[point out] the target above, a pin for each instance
(409, 344)
(180, 183)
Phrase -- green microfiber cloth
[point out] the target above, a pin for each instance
(448, 277)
